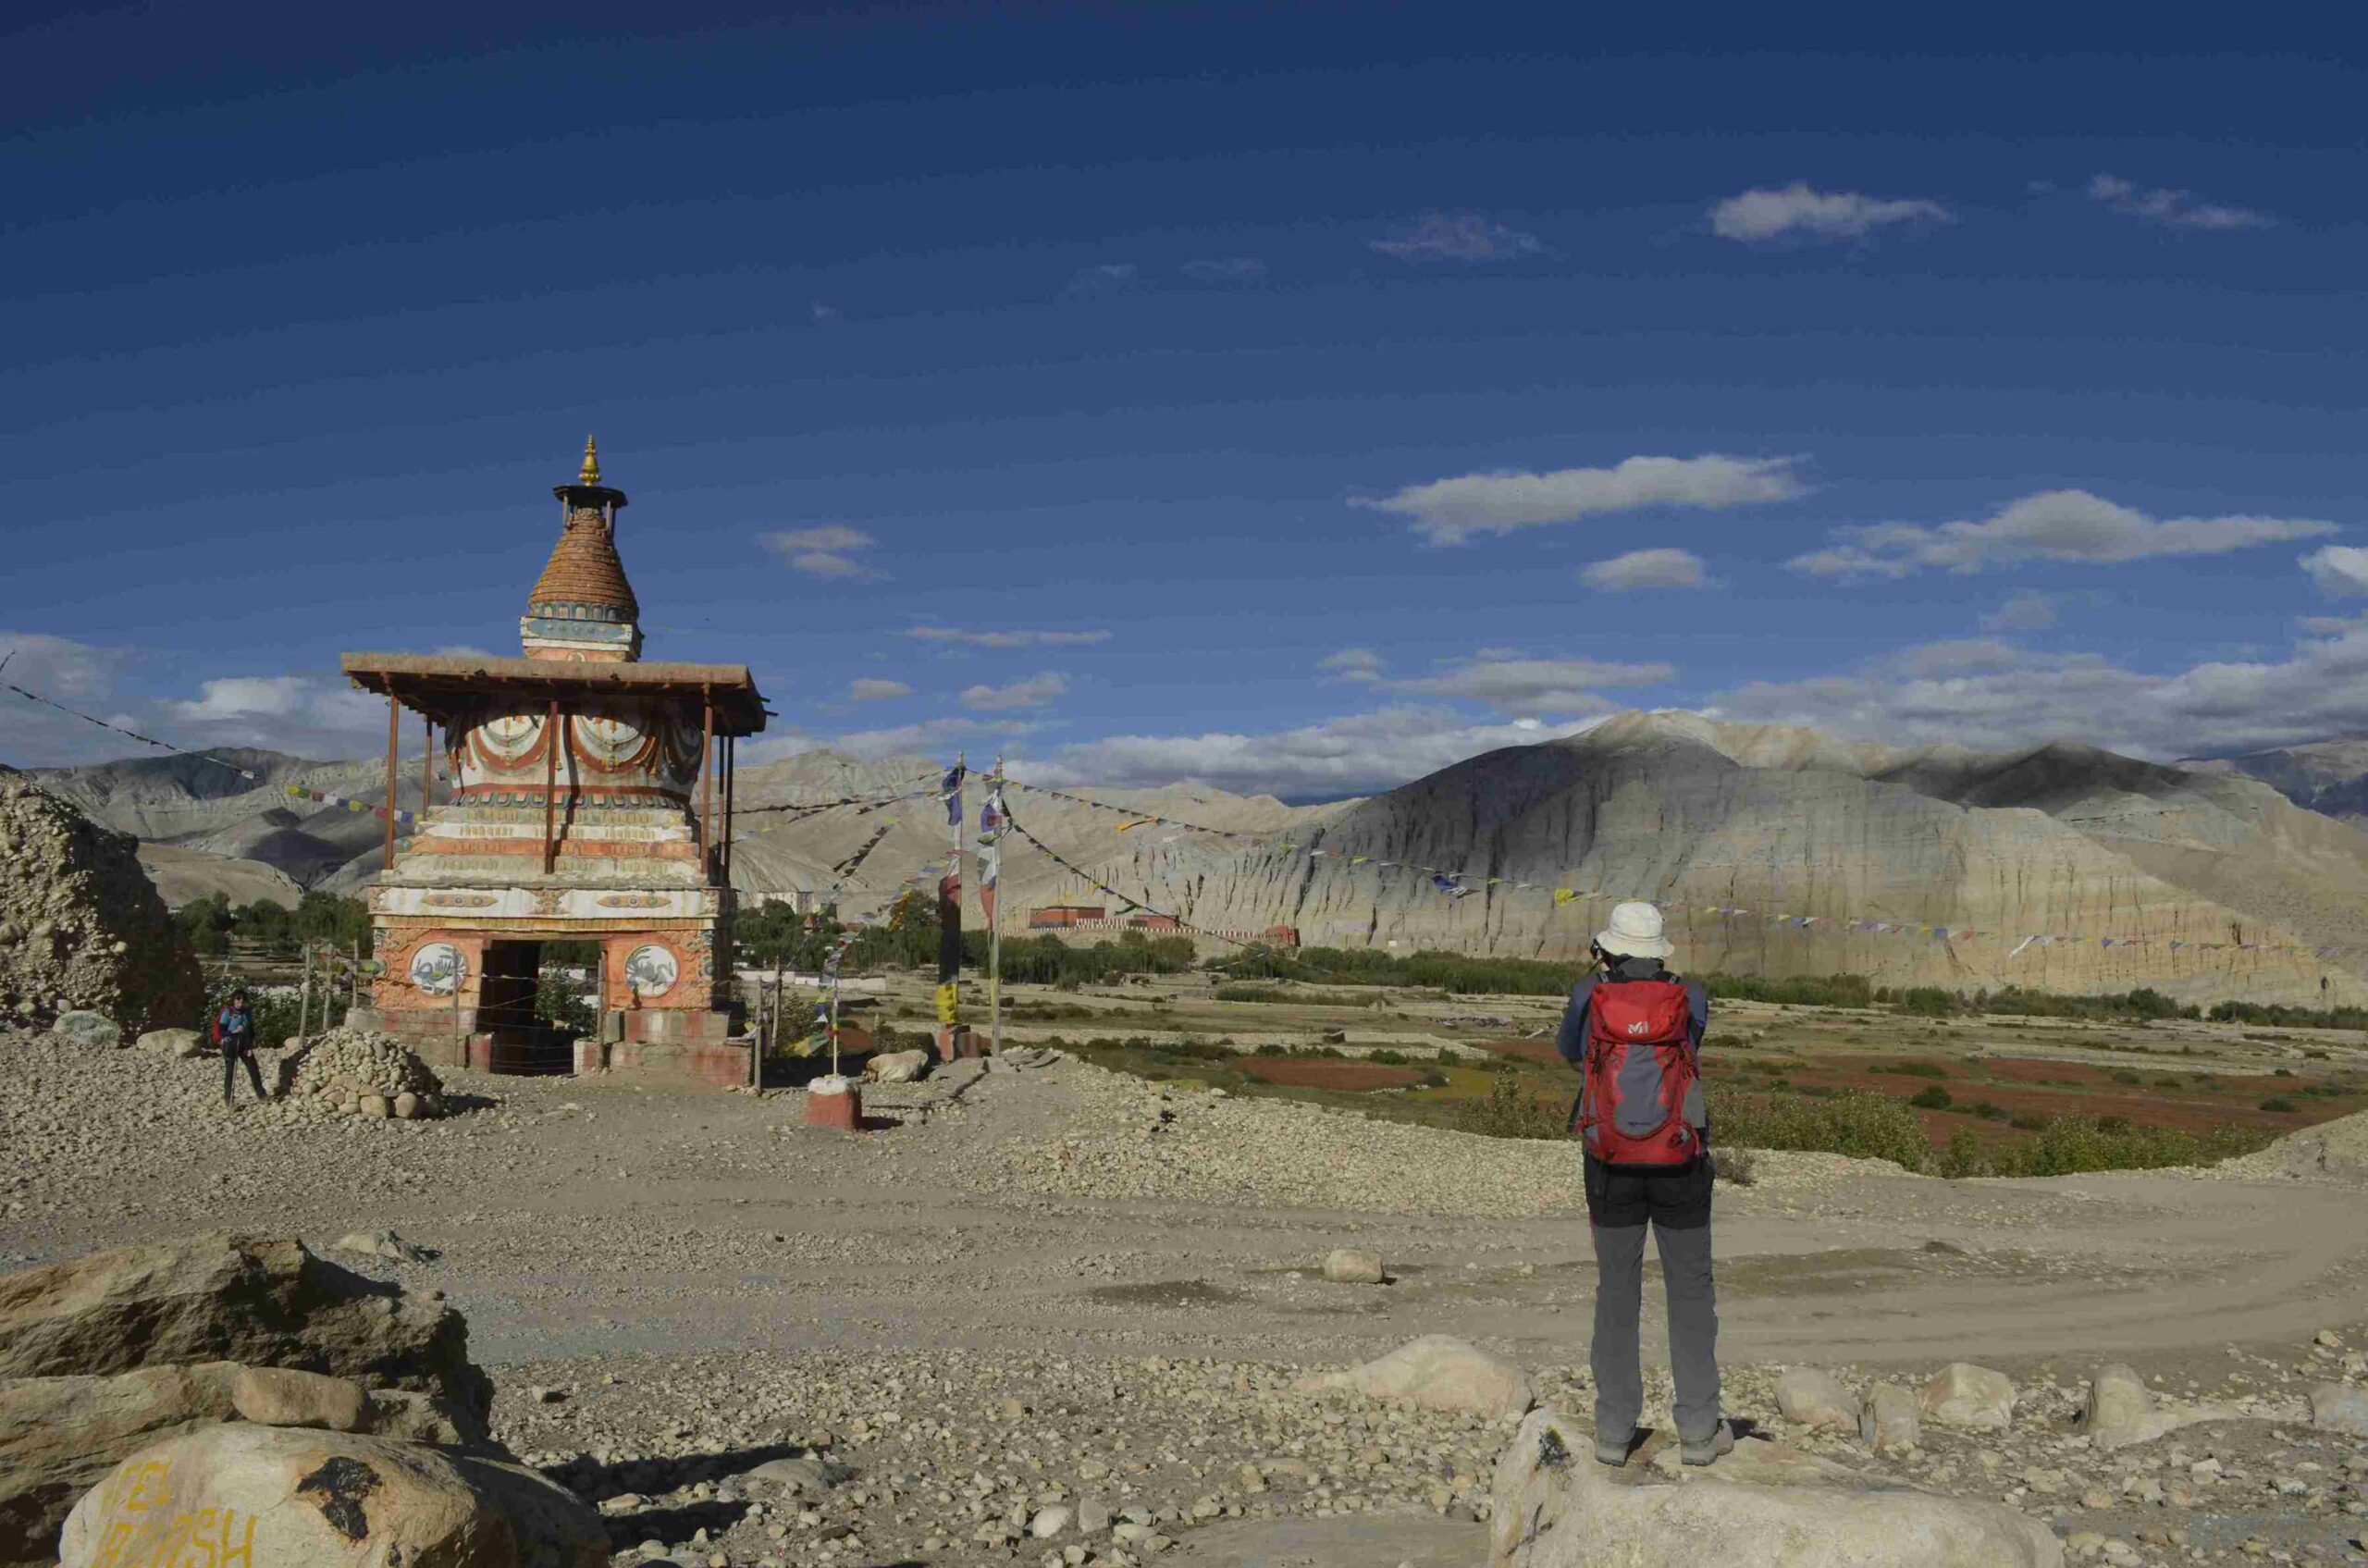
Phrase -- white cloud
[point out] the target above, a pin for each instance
(1363, 754)
(821, 312)
(924, 738)
(1225, 269)
(78, 674)
(1960, 654)
(825, 551)
(1646, 569)
(2215, 707)
(2026, 612)
(1451, 511)
(1537, 685)
(871, 690)
(1004, 640)
(2051, 526)
(1801, 212)
(1352, 664)
(1033, 692)
(2179, 209)
(2338, 569)
(248, 696)
(1465, 237)
(460, 651)
(1104, 278)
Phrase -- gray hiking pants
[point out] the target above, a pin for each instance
(1619, 1205)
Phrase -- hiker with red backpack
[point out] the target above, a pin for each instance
(1634, 1031)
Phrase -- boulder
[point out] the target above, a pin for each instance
(185, 1043)
(280, 1396)
(264, 1303)
(1816, 1400)
(1962, 1394)
(1435, 1372)
(2339, 1407)
(292, 1498)
(897, 1067)
(1888, 1421)
(85, 1028)
(1345, 1266)
(1762, 1506)
(60, 1436)
(803, 1474)
(415, 1417)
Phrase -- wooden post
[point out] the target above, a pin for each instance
(731, 799)
(551, 788)
(304, 998)
(394, 723)
(426, 767)
(707, 779)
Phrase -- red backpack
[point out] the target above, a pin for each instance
(1640, 1070)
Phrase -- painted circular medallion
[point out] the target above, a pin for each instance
(652, 970)
(436, 969)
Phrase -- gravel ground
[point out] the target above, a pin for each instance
(1052, 1287)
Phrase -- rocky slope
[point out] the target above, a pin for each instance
(193, 803)
(2328, 776)
(2062, 841)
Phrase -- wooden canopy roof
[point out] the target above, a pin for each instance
(447, 688)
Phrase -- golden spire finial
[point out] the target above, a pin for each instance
(591, 470)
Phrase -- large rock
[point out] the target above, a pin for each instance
(60, 1436)
(1816, 1400)
(1962, 1394)
(280, 1396)
(85, 1028)
(897, 1067)
(2339, 1407)
(299, 1498)
(185, 1043)
(1347, 1265)
(234, 1297)
(1763, 1506)
(82, 927)
(1435, 1372)
(1888, 1421)
(2121, 1409)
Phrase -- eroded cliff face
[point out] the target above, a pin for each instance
(1654, 810)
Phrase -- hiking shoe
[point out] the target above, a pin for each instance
(1613, 1450)
(1721, 1441)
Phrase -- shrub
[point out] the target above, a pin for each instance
(1963, 1156)
(1434, 1079)
(1926, 1001)
(2068, 1146)
(2123, 1074)
(1510, 1109)
(1735, 1165)
(1989, 1110)
(2283, 1072)
(1934, 1099)
(1250, 993)
(1914, 1069)
(2279, 1103)
(2027, 1121)
(1862, 1126)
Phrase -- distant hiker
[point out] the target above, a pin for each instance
(234, 1035)
(1634, 1030)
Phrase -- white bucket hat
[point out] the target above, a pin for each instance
(1634, 933)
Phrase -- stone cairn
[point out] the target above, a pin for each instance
(364, 1072)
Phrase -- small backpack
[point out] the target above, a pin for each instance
(1640, 1072)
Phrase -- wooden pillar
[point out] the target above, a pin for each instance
(394, 723)
(731, 796)
(707, 779)
(426, 766)
(551, 788)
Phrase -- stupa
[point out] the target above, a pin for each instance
(585, 808)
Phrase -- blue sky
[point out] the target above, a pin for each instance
(1296, 397)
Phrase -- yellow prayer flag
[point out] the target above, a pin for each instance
(1565, 896)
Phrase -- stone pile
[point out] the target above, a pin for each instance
(364, 1072)
(82, 927)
